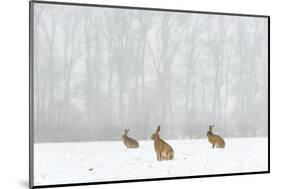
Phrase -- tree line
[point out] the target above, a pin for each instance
(98, 71)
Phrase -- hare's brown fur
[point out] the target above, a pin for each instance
(129, 142)
(216, 140)
(163, 150)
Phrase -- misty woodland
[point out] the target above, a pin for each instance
(98, 71)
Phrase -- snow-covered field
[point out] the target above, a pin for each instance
(61, 163)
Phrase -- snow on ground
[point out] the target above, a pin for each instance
(62, 163)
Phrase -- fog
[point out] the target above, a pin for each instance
(98, 71)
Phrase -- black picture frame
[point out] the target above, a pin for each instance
(31, 92)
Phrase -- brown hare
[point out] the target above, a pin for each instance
(129, 142)
(163, 150)
(215, 140)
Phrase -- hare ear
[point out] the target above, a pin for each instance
(158, 128)
(128, 130)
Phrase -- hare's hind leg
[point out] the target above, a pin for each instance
(222, 145)
(169, 155)
(172, 155)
